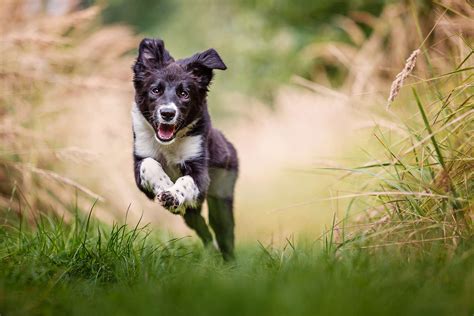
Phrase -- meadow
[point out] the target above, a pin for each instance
(366, 211)
(86, 268)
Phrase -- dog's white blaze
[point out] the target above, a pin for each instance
(170, 105)
(176, 152)
(153, 176)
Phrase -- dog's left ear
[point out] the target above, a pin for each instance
(152, 55)
(202, 64)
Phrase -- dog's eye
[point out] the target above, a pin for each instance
(157, 90)
(183, 94)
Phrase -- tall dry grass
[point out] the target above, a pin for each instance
(370, 60)
(47, 60)
(416, 192)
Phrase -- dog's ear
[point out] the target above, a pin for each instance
(151, 55)
(209, 59)
(202, 64)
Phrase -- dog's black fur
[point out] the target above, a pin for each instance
(163, 84)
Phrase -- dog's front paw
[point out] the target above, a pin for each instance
(170, 201)
(152, 176)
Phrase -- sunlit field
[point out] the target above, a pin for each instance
(353, 126)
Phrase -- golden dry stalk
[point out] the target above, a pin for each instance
(397, 84)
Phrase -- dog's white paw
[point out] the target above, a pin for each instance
(182, 194)
(152, 176)
(186, 187)
(171, 201)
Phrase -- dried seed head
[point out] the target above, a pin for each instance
(397, 84)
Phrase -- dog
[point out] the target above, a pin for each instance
(180, 160)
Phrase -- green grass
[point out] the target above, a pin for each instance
(85, 268)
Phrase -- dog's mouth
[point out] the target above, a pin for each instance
(165, 132)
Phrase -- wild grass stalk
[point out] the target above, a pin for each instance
(46, 61)
(423, 190)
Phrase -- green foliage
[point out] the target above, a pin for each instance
(140, 14)
(307, 15)
(87, 268)
(260, 41)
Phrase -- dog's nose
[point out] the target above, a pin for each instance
(167, 114)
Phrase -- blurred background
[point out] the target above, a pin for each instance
(306, 87)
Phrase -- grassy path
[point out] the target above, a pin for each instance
(87, 269)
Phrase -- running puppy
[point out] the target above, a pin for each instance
(179, 158)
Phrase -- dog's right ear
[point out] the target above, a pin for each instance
(151, 55)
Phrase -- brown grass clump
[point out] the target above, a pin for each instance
(46, 60)
(369, 62)
(417, 191)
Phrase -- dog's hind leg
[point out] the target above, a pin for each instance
(220, 200)
(195, 221)
(221, 219)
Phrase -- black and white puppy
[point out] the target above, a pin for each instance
(179, 158)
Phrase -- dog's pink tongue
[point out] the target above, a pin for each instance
(165, 131)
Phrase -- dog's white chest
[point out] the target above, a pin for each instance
(146, 144)
(182, 149)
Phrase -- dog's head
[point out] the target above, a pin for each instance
(172, 94)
